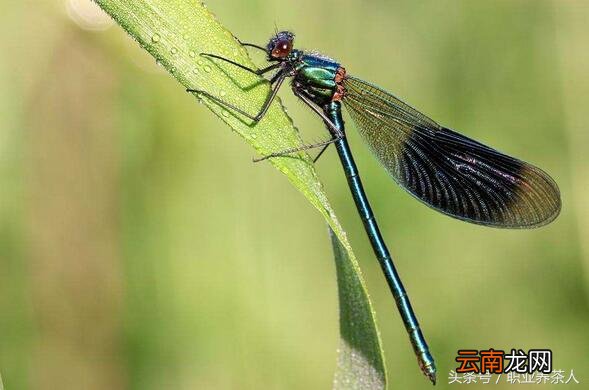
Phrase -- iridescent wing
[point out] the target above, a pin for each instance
(447, 171)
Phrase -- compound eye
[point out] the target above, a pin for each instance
(282, 48)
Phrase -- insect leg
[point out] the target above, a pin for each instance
(278, 79)
(254, 71)
(334, 131)
(251, 45)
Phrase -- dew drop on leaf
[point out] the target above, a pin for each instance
(155, 38)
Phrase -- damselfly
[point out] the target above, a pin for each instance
(445, 170)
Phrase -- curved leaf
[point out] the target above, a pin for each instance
(175, 32)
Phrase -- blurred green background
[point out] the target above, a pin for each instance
(140, 248)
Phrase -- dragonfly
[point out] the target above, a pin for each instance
(449, 172)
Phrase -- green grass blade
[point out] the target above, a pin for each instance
(175, 32)
(360, 363)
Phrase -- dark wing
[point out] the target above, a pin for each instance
(446, 170)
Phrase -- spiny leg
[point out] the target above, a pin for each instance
(287, 152)
(258, 72)
(323, 149)
(251, 45)
(278, 78)
(335, 132)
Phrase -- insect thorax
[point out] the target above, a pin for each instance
(317, 77)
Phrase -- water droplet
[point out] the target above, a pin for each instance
(200, 62)
(173, 50)
(222, 93)
(155, 38)
(195, 71)
(192, 54)
(207, 68)
(225, 114)
(173, 70)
